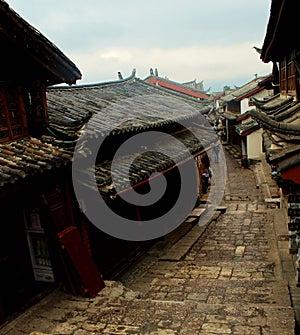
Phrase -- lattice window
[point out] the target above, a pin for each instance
(11, 122)
(4, 129)
(283, 82)
(288, 76)
(291, 78)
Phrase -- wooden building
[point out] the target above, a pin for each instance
(282, 50)
(241, 129)
(279, 116)
(250, 134)
(34, 189)
(46, 238)
(115, 112)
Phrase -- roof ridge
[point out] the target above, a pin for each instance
(131, 77)
(172, 92)
(176, 83)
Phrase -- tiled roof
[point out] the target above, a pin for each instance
(230, 116)
(139, 105)
(283, 20)
(28, 157)
(69, 110)
(70, 107)
(250, 88)
(148, 163)
(246, 126)
(174, 86)
(197, 86)
(280, 118)
(273, 105)
(284, 129)
(32, 54)
(287, 113)
(126, 106)
(114, 108)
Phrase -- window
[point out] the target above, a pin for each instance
(288, 76)
(291, 78)
(12, 114)
(4, 134)
(283, 87)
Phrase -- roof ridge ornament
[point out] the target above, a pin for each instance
(120, 75)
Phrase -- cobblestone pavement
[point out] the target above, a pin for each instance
(222, 278)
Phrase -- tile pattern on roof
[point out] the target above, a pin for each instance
(147, 163)
(243, 90)
(247, 126)
(110, 108)
(280, 118)
(69, 108)
(174, 86)
(275, 105)
(27, 157)
(26, 39)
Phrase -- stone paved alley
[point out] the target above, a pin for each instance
(223, 278)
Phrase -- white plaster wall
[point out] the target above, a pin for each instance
(245, 102)
(245, 106)
(254, 145)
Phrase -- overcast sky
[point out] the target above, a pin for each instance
(209, 40)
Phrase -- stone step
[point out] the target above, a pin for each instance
(182, 246)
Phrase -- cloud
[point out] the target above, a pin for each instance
(209, 40)
(76, 25)
(212, 63)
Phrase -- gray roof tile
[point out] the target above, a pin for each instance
(26, 157)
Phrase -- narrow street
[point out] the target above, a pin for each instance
(222, 278)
